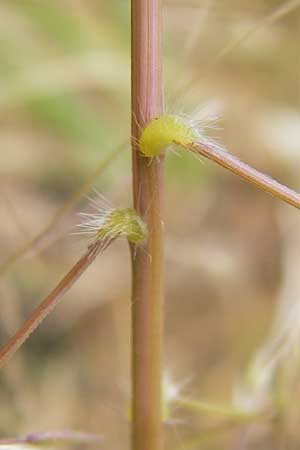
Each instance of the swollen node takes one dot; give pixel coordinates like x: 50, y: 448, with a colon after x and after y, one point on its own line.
x: 164, y: 131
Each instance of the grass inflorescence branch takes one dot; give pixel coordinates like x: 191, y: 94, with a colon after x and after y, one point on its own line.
x: 168, y: 130
x: 105, y: 227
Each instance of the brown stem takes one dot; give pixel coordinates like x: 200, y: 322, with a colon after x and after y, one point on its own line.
x: 223, y: 158
x: 49, y: 303
x: 147, y: 260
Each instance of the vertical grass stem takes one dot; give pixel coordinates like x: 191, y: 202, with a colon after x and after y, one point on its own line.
x: 147, y: 260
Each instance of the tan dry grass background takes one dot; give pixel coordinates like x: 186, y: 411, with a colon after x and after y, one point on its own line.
x: 232, y: 253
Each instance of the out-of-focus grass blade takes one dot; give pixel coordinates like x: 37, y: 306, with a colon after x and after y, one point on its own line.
x: 203, y: 407
x: 56, y: 22
x: 53, y: 439
x: 68, y: 74
x: 65, y: 114
x: 8, y: 59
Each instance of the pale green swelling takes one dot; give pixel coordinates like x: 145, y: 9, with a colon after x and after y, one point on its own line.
x: 164, y: 131
x: 124, y: 222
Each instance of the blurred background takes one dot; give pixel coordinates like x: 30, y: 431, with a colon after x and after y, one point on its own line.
x: 232, y: 252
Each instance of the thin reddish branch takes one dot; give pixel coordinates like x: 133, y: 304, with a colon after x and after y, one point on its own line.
x: 60, y: 213
x: 50, y: 437
x: 220, y: 156
x: 50, y: 302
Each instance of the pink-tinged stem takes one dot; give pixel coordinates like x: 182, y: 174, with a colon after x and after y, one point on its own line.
x: 50, y: 437
x: 147, y: 260
x: 223, y: 158
x: 49, y: 303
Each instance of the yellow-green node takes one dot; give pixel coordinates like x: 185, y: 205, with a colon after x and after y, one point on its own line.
x: 124, y: 222
x: 164, y: 131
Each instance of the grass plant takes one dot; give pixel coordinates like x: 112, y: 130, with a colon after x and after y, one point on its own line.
x: 153, y: 134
